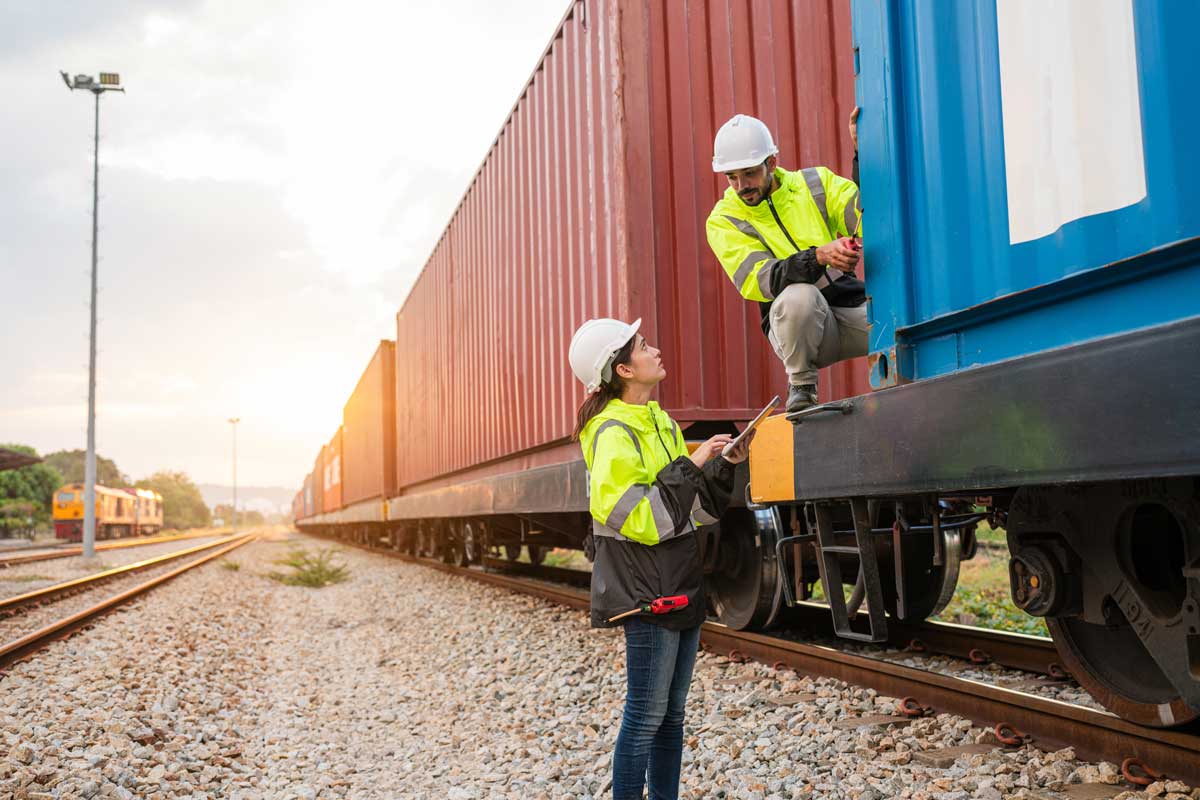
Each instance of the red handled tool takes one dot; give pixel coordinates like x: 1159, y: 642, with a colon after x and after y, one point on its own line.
x: 661, y: 605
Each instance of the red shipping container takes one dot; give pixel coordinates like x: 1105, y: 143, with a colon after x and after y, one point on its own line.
x: 332, y: 484
x: 307, y: 501
x: 369, y: 430
x: 592, y: 202
x: 318, y: 483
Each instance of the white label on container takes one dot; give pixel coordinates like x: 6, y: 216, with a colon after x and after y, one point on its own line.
x: 1072, y: 117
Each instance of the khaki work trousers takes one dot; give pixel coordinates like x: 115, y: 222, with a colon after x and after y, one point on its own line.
x: 807, y: 333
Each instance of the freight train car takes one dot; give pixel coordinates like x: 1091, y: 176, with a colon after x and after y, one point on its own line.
x: 591, y: 202
x: 1034, y: 270
x: 1031, y: 260
x: 119, y: 512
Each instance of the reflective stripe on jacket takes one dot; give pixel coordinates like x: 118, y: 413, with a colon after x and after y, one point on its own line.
x: 809, y: 208
x: 646, y: 499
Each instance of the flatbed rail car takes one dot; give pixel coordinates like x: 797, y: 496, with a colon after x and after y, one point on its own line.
x: 1032, y: 196
x: 119, y: 512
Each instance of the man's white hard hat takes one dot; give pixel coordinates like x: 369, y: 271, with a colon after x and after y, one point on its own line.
x: 593, y: 347
x: 742, y: 142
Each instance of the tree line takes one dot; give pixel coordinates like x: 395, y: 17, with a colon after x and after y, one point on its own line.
x: 27, y: 494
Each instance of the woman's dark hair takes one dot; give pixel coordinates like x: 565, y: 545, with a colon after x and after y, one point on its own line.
x: 597, y: 400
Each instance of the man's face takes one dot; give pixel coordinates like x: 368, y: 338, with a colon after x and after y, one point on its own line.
x: 753, y: 184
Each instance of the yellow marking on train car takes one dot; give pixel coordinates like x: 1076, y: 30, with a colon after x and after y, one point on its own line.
x: 772, y: 466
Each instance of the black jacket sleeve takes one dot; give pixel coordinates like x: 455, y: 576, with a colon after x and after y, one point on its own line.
x: 678, y: 483
x: 718, y: 486
x: 799, y: 267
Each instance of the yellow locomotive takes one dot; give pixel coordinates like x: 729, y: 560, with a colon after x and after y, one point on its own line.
x: 119, y: 512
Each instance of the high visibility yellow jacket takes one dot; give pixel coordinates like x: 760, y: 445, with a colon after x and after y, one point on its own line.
x: 765, y: 248
x: 647, y: 498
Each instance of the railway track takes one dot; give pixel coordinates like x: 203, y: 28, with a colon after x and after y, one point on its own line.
x: 67, y: 552
x: 1016, y: 716
x: 24, y: 645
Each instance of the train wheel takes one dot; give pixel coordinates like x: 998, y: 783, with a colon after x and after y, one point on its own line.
x: 1111, y: 662
x: 453, y: 551
x: 1107, y: 566
x: 406, y: 541
x: 744, y: 587
x: 472, y: 541
x: 425, y: 545
x: 928, y: 588
x: 537, y: 553
x: 512, y: 551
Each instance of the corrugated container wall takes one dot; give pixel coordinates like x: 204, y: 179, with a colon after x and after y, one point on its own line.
x: 318, y: 483
x: 333, y: 472
x: 309, y: 505
x: 592, y: 201
x: 369, y: 430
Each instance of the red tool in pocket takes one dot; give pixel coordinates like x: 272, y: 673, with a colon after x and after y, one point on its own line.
x: 660, y: 605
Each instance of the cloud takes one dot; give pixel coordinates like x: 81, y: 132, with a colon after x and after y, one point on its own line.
x: 271, y: 184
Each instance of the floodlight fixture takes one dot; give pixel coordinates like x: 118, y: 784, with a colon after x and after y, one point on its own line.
x: 109, y: 82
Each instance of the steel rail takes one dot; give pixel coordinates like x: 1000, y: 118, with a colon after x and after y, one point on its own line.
x: 1095, y: 735
x: 19, y: 648
x: 8, y: 604
x: 983, y: 646
x: 75, y: 551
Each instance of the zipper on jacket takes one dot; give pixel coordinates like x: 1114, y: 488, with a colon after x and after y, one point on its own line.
x: 791, y: 241
x: 779, y: 222
x: 658, y: 434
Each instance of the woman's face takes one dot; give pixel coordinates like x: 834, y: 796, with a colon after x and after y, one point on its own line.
x: 645, y: 365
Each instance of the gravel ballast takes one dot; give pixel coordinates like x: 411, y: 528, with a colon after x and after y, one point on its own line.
x: 405, y: 682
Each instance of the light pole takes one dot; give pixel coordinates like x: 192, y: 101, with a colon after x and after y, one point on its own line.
x: 233, y: 421
x: 109, y: 82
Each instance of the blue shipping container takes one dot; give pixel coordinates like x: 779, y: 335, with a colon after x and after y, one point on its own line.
x: 1029, y: 175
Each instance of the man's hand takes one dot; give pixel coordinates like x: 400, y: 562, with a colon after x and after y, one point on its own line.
x: 712, y: 447
x: 854, y: 128
x: 838, y: 255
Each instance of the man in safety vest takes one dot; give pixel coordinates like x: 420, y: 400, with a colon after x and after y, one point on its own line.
x: 788, y: 241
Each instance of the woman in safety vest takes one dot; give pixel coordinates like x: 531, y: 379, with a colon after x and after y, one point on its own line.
x: 647, y: 496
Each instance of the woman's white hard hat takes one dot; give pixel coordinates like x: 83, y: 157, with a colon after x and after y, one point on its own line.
x: 742, y: 142
x: 593, y: 347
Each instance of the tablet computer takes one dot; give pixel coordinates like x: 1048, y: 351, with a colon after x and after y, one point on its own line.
x: 766, y: 412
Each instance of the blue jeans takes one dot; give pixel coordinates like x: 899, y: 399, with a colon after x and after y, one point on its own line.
x: 658, y: 663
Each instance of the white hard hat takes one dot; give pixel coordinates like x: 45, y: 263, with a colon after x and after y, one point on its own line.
x: 593, y: 347
x: 742, y: 142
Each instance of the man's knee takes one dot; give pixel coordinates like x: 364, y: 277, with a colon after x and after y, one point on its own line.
x: 797, y: 301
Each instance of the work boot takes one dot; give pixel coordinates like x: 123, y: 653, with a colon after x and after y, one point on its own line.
x: 801, y: 396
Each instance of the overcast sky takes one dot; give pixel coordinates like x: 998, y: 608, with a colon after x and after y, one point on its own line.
x: 270, y: 187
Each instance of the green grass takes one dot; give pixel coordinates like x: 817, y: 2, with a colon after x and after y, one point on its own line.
x: 24, y: 578
x: 565, y: 558
x: 311, y: 569
x: 983, y: 597
x: 986, y: 533
x: 232, y: 566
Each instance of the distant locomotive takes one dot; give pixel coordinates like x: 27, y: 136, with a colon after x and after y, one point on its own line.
x: 119, y: 512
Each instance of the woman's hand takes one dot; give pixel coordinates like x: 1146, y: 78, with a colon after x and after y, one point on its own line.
x: 737, y: 455
x: 710, y: 448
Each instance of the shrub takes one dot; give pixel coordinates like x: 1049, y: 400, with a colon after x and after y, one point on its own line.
x: 311, y: 569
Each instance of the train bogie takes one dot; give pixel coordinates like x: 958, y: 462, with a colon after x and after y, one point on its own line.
x: 1115, y: 570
